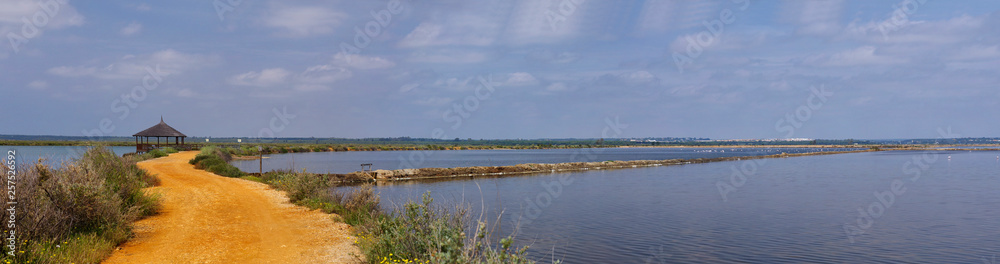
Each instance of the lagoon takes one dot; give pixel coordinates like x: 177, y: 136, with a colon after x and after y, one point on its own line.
x: 54, y: 155
x: 789, y: 210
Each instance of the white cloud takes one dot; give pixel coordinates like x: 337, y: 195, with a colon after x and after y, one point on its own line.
x: 454, y: 84
x: 408, y: 87
x: 557, y: 87
x: 548, y: 56
x: 167, y: 62
x: 533, y: 22
x: 319, y: 77
x: 13, y: 13
x: 131, y: 29
x: 977, y: 52
x: 661, y: 16
x: 476, y: 24
x: 67, y: 71
x: 815, y: 17
x: 520, y: 79
x: 470, y: 30
x: 186, y: 93
x: 362, y: 62
x: 638, y: 77
x: 448, y: 56
x: 315, y: 78
x: 38, y: 85
x: 861, y: 100
x: 266, y: 77
x: 865, y: 55
x: 433, y: 101
x: 63, y: 15
x: 656, y: 16
x: 305, y: 21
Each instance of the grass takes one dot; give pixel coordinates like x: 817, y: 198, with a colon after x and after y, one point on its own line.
x: 420, y: 232
x: 80, y: 211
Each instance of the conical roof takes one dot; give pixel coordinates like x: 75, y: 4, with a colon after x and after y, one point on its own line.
x: 160, y: 130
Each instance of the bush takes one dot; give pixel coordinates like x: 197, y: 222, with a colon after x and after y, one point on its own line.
x: 301, y: 185
x: 152, y: 154
x: 216, y: 160
x: 79, y: 212
x: 226, y: 170
x: 169, y: 150
x: 422, y: 232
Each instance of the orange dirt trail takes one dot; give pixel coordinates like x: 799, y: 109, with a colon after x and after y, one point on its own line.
x: 206, y: 218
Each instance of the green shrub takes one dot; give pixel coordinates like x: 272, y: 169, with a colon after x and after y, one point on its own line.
x: 152, y: 154
x: 169, y: 150
x: 301, y: 185
x: 227, y: 170
x: 216, y: 160
x: 422, y: 232
x: 80, y: 211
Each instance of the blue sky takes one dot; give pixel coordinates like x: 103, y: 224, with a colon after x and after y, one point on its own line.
x: 554, y: 69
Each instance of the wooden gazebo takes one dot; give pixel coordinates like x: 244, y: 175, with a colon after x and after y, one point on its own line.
x: 161, y: 130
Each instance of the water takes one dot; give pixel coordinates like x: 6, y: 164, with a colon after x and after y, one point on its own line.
x: 346, y: 162
x: 789, y: 210
x: 54, y: 155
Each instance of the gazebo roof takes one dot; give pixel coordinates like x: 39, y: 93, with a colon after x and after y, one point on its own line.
x: 160, y: 130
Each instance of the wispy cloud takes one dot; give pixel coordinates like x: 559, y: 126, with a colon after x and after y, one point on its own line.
x: 131, y: 29
x: 304, y: 21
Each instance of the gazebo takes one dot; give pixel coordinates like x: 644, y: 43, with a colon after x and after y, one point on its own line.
x: 143, y: 143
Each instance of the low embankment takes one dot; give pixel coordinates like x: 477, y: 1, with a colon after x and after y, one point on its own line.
x: 432, y: 173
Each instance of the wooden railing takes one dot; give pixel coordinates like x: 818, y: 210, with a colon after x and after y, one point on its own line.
x: 142, y: 148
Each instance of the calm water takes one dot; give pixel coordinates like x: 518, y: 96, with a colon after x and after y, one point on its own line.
x: 346, y: 162
x: 53, y: 155
x: 790, y: 210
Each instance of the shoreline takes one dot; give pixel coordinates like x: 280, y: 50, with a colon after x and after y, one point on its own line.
x: 417, y: 174
x: 384, y: 176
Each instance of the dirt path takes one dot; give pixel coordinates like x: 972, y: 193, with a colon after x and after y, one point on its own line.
x: 208, y: 218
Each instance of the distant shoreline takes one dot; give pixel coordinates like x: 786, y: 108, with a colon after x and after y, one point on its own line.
x: 382, y: 176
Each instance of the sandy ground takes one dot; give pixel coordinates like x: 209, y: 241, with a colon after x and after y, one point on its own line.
x: 206, y: 218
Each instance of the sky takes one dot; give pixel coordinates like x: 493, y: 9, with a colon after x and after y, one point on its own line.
x: 728, y: 69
